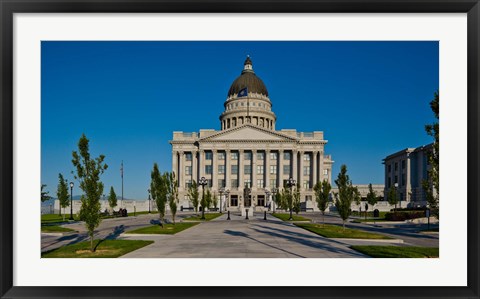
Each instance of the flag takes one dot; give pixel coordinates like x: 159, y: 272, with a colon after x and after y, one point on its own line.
x: 243, y: 92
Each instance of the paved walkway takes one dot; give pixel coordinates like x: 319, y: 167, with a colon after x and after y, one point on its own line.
x: 240, y: 238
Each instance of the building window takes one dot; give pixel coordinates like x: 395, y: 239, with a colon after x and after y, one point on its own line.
x: 403, y: 179
x: 247, y: 169
x: 221, y: 169
x: 273, y: 156
x: 273, y: 169
x: 259, y: 169
x: 188, y: 184
x: 248, y: 155
x: 389, y: 167
x: 221, y: 183
x: 286, y: 156
x: 306, y: 170
x: 306, y: 157
x: 247, y: 183
x: 396, y: 166
x: 325, y: 172
x: 396, y: 179
x: 286, y: 169
x: 208, y: 155
x: 260, y: 183
x: 306, y: 184
x: 208, y: 169
x: 209, y: 183
x: 188, y: 156
x: 389, y: 183
x: 234, y: 169
x: 221, y: 156
x: 234, y: 155
x: 234, y: 183
x: 234, y: 200
x: 260, y: 156
x: 403, y: 164
x: 273, y: 183
x: 188, y: 170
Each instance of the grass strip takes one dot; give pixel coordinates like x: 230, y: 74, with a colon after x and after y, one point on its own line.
x: 55, y: 229
x: 104, y: 249
x: 166, y: 229
x: 398, y: 251
x: 286, y: 216
x: 337, y: 231
x: 208, y: 217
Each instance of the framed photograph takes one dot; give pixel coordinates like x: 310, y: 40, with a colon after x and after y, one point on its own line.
x: 239, y: 149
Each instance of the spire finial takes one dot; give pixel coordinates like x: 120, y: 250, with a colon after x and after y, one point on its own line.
x: 247, y: 65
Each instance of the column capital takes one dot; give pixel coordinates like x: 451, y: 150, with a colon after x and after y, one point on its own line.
x: 180, y: 152
x: 214, y: 150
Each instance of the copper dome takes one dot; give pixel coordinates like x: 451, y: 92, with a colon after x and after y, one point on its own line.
x: 248, y: 79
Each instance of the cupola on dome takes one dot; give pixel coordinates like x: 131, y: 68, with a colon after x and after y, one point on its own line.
x: 249, y: 80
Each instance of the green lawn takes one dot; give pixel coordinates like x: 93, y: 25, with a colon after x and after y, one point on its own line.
x: 141, y: 213
x: 397, y: 251
x: 55, y: 218
x: 167, y: 229
x: 208, y: 217
x: 337, y: 231
x: 368, y: 220
x: 55, y: 229
x: 369, y: 214
x: 286, y: 216
x: 106, y: 249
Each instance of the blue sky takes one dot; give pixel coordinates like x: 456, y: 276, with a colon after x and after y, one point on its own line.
x: 370, y: 98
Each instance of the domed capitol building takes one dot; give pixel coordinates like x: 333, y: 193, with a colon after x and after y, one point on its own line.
x: 248, y: 153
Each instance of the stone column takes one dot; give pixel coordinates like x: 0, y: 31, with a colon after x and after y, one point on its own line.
x: 194, y: 166
x: 254, y: 168
x: 294, y: 164
x: 227, y: 169
x: 174, y: 166
x: 321, y: 167
x: 181, y: 171
x: 408, y: 185
x: 201, y: 165
x: 314, y: 173
x: 214, y: 170
x: 266, y: 171
x: 300, y: 173
x: 280, y: 170
x: 240, y: 168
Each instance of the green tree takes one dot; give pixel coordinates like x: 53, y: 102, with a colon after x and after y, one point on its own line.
x: 193, y: 194
x: 159, y: 190
x: 88, y: 172
x: 393, y: 197
x: 215, y: 201
x: 44, y: 194
x: 172, y: 194
x: 280, y: 199
x: 322, y: 196
x: 346, y: 195
x: 431, y: 186
x: 296, y: 199
x: 208, y: 198
x: 62, y: 194
x: 371, y: 196
x: 112, y: 198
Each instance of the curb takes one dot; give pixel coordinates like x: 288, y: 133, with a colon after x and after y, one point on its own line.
x: 392, y: 241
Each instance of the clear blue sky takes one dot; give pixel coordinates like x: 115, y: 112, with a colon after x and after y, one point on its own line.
x: 370, y: 98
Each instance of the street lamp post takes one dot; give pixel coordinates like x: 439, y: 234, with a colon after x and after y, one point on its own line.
x: 71, y: 200
x: 227, y: 192
x: 267, y: 193
x: 221, y: 191
x: 104, y: 202
x: 274, y: 192
x: 290, y: 183
x: 247, y: 194
x: 149, y: 201
x: 203, y: 182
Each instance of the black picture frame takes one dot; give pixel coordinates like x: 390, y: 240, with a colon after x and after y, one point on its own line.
x: 9, y: 7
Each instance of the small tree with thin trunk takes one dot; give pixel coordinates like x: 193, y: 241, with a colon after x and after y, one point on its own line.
x: 44, y: 194
x: 158, y: 188
x: 322, y: 196
x: 347, y: 194
x: 62, y: 194
x: 296, y: 199
x: 431, y: 186
x: 371, y: 197
x: 172, y: 194
x: 215, y: 201
x: 88, y: 172
x: 194, y: 194
x: 392, y: 197
x: 208, y: 198
x: 112, y: 198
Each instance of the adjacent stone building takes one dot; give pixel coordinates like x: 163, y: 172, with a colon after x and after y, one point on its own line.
x: 247, y: 151
x: 408, y: 168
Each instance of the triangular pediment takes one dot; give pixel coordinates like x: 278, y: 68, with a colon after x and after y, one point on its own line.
x: 249, y: 133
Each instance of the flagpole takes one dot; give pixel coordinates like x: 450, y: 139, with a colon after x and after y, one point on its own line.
x: 121, y: 169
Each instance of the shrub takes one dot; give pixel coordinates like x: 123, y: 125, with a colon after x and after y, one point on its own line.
x: 404, y: 215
